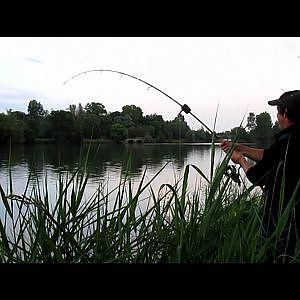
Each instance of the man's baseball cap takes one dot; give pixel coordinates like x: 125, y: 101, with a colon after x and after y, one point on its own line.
x: 290, y: 99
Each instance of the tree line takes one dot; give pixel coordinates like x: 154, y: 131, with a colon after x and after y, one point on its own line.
x: 77, y: 123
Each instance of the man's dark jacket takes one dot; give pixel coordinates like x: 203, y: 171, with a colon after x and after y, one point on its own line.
x: 281, y: 159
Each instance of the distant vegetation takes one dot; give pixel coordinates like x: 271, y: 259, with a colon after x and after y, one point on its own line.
x: 77, y: 123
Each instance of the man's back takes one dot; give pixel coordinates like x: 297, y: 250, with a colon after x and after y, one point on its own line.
x: 279, y: 169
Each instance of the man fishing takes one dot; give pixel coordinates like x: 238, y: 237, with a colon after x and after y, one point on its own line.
x: 277, y: 172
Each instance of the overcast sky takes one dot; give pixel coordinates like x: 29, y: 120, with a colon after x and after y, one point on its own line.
x: 238, y: 74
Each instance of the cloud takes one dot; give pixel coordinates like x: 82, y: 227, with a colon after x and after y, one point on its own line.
x: 14, y: 93
x: 33, y: 60
x: 15, y: 99
x: 18, y: 99
x: 16, y: 59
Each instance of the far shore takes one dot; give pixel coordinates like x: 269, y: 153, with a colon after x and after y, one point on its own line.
x: 39, y: 141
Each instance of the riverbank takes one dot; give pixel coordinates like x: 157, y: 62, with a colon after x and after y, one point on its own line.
x: 109, y: 141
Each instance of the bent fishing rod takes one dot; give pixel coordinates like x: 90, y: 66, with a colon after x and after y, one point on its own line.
x: 184, y: 107
x: 230, y: 172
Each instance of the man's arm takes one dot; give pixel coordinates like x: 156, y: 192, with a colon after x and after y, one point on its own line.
x: 255, y: 154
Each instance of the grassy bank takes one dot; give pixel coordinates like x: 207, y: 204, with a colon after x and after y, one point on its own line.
x: 220, y: 223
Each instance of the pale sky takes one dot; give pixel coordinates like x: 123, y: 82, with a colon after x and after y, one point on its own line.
x: 238, y: 74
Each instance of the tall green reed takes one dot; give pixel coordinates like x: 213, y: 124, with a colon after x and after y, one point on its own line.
x: 220, y: 223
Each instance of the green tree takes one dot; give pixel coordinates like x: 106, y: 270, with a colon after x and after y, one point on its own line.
x: 180, y: 128
x: 94, y: 121
x: 134, y: 112
x: 78, y: 117
x: 156, y: 122
x: 18, y: 114
x: 201, y: 136
x: 240, y: 134
x: 117, y: 132
x: 149, y: 133
x: 62, y: 126
x: 263, y: 130
x: 11, y: 128
x: 29, y: 134
x: 35, y: 109
x: 72, y: 109
x: 35, y: 116
x: 80, y: 110
x: 95, y: 108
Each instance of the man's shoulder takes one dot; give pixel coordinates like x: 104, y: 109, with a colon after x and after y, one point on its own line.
x: 284, y: 137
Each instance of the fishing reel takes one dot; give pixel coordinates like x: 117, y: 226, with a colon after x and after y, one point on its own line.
x: 233, y: 173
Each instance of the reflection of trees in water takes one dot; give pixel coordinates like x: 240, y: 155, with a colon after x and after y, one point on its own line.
x: 101, y: 157
x: 175, y: 153
x: 16, y: 154
x: 154, y: 155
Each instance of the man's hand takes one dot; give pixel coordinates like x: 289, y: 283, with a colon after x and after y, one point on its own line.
x: 226, y: 145
x: 236, y: 157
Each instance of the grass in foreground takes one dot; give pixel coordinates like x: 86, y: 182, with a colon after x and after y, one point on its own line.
x: 218, y: 224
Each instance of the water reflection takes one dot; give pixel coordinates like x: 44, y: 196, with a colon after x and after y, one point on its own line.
x: 101, y: 157
x: 104, y: 161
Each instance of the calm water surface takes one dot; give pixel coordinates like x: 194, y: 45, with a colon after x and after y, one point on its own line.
x: 105, y: 164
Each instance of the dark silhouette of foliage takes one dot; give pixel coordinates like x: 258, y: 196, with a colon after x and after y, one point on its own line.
x: 94, y: 122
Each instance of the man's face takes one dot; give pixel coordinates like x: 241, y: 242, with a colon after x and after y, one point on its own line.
x: 281, y: 117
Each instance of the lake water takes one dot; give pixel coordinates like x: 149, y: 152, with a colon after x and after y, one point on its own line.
x: 104, y: 165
